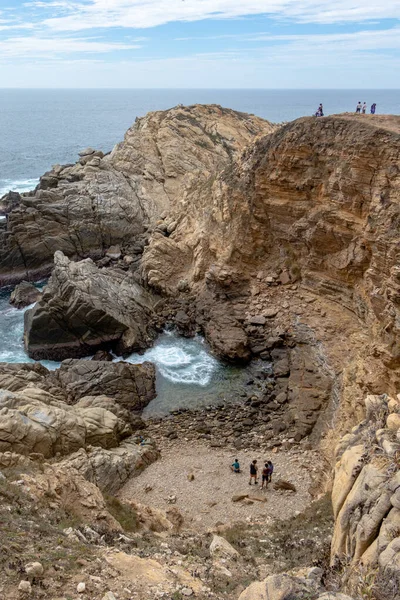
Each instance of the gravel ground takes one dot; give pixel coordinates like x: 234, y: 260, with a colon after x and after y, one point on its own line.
x: 206, y: 501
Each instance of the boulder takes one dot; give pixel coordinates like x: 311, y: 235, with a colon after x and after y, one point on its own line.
x: 132, y: 386
x: 220, y: 547
x: 84, y: 309
x: 24, y: 294
x: 281, y: 587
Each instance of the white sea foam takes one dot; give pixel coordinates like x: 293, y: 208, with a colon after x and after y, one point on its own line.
x: 21, y: 185
x: 180, y: 360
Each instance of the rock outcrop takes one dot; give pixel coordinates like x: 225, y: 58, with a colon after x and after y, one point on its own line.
x: 111, y: 200
x: 24, y: 294
x: 132, y: 386
x: 84, y: 309
x: 366, y: 490
x: 81, y: 405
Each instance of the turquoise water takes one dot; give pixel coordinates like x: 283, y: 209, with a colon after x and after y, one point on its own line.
x: 39, y: 128
x: 188, y: 375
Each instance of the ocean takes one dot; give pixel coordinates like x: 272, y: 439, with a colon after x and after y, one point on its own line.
x: 40, y: 128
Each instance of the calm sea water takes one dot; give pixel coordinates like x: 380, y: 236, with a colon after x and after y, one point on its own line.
x: 39, y: 128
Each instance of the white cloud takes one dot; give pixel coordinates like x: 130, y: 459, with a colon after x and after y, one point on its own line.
x: 49, y: 47
x: 149, y: 13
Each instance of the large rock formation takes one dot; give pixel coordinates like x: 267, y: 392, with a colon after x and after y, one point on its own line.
x: 132, y: 386
x: 102, y: 201
x: 84, y: 309
x: 313, y: 204
x: 366, y: 490
x: 80, y: 405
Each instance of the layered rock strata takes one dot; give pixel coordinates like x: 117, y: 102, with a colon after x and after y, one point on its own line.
x: 366, y: 490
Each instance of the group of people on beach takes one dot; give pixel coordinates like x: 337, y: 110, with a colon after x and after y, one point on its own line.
x: 266, y: 473
x: 360, y: 109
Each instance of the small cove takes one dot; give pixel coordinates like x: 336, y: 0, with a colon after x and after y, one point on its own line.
x: 188, y: 375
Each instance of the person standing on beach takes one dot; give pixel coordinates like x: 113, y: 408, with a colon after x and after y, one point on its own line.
x: 270, y: 470
x: 265, y: 475
x: 358, y: 108
x: 253, y: 472
x: 364, y: 108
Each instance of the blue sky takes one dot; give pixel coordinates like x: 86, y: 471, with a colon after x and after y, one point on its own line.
x: 200, y: 43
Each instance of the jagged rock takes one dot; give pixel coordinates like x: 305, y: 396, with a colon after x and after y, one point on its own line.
x: 365, y: 494
x: 132, y: 386
x: 67, y: 488
x: 24, y: 294
x: 84, y: 309
x: 81, y: 209
x: 103, y: 355
x: 220, y: 547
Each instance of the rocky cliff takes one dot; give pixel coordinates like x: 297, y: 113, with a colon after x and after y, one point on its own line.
x: 278, y: 244
x: 102, y: 201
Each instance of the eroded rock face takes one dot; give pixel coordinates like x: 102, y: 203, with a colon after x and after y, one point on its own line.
x: 84, y: 309
x: 132, y: 386
x: 315, y: 201
x: 103, y: 201
x: 109, y: 469
x: 366, y: 490
x: 81, y: 405
x: 33, y: 421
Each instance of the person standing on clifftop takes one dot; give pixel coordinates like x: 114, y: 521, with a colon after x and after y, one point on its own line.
x: 358, y: 108
x: 253, y: 472
x: 364, y: 108
x: 320, y: 111
x: 373, y: 108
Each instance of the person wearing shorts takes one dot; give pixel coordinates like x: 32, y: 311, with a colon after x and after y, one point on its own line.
x: 265, y: 476
x: 253, y: 472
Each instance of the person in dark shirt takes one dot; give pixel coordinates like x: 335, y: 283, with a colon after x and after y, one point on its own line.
x: 253, y: 472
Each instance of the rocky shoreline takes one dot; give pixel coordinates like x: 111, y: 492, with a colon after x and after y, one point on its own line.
x: 279, y: 245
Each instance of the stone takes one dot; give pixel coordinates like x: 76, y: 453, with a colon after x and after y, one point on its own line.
x: 84, y: 309
x: 132, y: 386
x: 34, y: 569
x: 270, y: 313
x: 257, y: 320
x: 114, y: 252
x: 109, y: 596
x: 186, y: 591
x: 86, y: 152
x: 25, y: 587
x: 24, y: 294
x: 81, y: 587
x: 282, y: 484
x: 281, y: 587
x: 284, y: 278
x: 221, y: 547
x: 239, y: 497
x: 393, y: 422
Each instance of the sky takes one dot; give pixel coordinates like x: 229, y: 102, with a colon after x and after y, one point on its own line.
x: 200, y: 44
